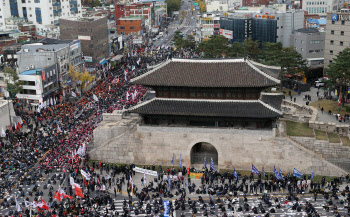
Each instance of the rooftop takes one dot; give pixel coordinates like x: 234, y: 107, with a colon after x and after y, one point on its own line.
x: 30, y: 72
x: 131, y: 18
x: 206, y: 73
x: 207, y: 108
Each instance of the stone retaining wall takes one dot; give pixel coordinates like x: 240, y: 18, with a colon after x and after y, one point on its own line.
x: 302, y: 113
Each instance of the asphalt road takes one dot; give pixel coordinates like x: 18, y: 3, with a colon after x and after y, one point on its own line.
x: 186, y: 27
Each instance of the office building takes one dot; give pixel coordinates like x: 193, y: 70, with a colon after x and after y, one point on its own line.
x: 320, y: 7
x: 49, y: 52
x: 309, y: 42
x: 267, y: 26
x: 131, y: 25
x: 208, y: 25
x: 337, y: 35
x: 40, y: 85
x: 93, y: 34
x: 44, y: 14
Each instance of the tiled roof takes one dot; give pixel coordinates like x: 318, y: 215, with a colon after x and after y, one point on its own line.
x: 207, y: 108
x: 206, y: 73
x: 273, y: 99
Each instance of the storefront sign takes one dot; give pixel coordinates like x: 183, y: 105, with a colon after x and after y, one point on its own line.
x: 227, y: 33
x: 75, y: 45
x: 43, y: 75
x: 166, y: 208
x: 207, y: 18
x: 88, y: 59
x: 83, y: 37
x: 147, y: 172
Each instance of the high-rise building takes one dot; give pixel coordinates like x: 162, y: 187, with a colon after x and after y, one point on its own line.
x: 267, y: 26
x: 93, y: 34
x: 44, y: 14
x: 337, y: 35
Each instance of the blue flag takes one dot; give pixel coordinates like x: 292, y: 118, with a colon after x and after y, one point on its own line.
x: 212, y: 164
x: 169, y: 182
x: 180, y: 161
x: 255, y: 170
x: 312, y: 174
x: 172, y: 160
x: 281, y: 174
x: 275, y: 172
x: 186, y: 180
x: 235, y: 174
x: 297, y: 173
x: 205, y: 161
x: 263, y: 171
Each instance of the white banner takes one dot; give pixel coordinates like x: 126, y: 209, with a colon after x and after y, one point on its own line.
x: 147, y: 172
x: 85, y: 174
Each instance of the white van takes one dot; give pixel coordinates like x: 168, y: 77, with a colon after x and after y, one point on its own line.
x: 161, y: 34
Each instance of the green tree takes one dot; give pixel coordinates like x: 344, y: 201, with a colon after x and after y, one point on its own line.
x: 14, y: 85
x: 190, y: 42
x: 215, y: 47
x: 270, y: 53
x: 339, y: 70
x: 251, y: 48
x: 235, y: 50
x: 179, y: 40
x: 96, y: 3
x: 173, y: 5
x: 291, y: 62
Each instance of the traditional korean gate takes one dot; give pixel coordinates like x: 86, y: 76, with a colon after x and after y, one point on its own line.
x: 201, y: 150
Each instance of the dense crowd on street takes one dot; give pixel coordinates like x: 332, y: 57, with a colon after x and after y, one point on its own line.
x: 49, y: 145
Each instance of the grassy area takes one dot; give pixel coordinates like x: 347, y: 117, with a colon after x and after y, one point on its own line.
x: 331, y: 105
x: 345, y: 140
x: 333, y: 138
x: 299, y: 129
x: 321, y: 135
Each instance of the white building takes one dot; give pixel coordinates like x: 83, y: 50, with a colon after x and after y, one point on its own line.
x: 44, y: 14
x: 320, y: 7
x: 5, y: 12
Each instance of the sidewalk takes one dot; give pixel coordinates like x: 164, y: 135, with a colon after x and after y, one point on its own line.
x: 322, y: 117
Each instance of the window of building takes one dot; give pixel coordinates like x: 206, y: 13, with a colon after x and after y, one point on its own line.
x: 332, y: 32
x: 122, y: 27
x: 296, y: 40
x: 343, y: 22
x: 332, y: 42
x: 37, y: 1
x: 130, y: 21
x: 23, y: 1
x: 315, y: 42
x: 301, y: 49
x: 301, y: 41
x: 331, y: 52
x: 132, y: 27
x: 341, y: 43
x: 342, y: 33
x: 330, y: 61
x: 333, y: 22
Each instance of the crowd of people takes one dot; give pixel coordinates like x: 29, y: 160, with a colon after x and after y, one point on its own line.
x: 49, y: 145
x: 48, y: 136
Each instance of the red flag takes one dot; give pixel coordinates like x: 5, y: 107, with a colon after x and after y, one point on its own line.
x: 339, y: 102
x: 188, y: 170
x: 79, y: 192
x: 99, y: 165
x: 44, y: 206
x: 19, y: 126
x: 66, y: 196
x: 58, y: 195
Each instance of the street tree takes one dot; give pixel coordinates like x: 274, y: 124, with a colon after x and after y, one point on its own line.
x: 270, y: 53
x: 215, y: 47
x: 235, y: 50
x: 173, y: 5
x: 339, y: 71
x: 291, y: 62
x: 190, y: 42
x: 14, y: 85
x: 251, y: 48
